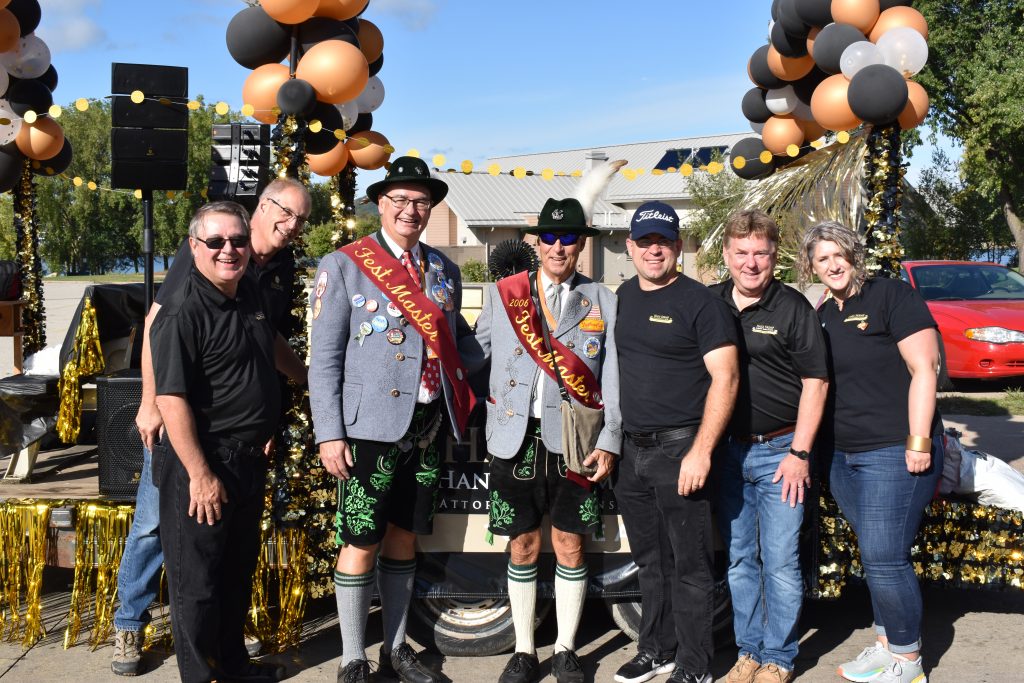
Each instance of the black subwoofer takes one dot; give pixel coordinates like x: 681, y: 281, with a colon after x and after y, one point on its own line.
x: 120, y: 449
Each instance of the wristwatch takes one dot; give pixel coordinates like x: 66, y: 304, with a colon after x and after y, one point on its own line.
x: 803, y: 455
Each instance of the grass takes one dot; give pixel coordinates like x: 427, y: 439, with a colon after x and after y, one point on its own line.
x: 1011, y: 402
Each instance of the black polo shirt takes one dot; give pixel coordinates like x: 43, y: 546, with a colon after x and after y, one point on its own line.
x: 781, y: 343
x: 662, y: 336
x: 219, y: 353
x: 870, y: 381
x: 275, y: 281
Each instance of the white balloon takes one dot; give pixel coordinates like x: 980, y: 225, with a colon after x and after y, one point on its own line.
x: 10, y: 123
x: 904, y: 49
x: 781, y: 100
x: 349, y: 113
x: 756, y: 127
x: 5, y: 80
x: 372, y: 96
x: 859, y: 55
x: 30, y: 59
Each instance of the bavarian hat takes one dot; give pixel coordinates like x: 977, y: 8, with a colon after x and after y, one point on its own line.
x: 562, y: 215
x: 410, y: 170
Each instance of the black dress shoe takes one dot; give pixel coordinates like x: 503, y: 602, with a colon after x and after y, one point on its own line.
x: 258, y: 672
x: 356, y: 671
x: 566, y: 667
x: 401, y: 664
x: 522, y: 668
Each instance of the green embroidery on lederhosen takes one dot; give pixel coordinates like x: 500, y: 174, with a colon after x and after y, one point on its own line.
x: 430, y: 466
x: 502, y: 513
x: 590, y: 511
x: 525, y: 469
x: 382, y: 478
x: 562, y: 468
x: 357, y: 507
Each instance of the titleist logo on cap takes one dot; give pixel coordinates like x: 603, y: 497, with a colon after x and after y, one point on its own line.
x: 653, y: 214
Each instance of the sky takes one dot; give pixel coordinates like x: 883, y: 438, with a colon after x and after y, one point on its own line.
x: 469, y: 79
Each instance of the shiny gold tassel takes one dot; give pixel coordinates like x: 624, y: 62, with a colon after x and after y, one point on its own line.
x: 86, y: 360
x: 23, y: 540
x: 293, y: 588
x: 258, y: 624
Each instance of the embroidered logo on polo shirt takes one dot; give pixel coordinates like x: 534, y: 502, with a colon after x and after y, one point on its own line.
x: 861, y: 319
x: 764, y: 329
x: 665, y: 319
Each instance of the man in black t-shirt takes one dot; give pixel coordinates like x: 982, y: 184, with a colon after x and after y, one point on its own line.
x: 763, y: 471
x: 213, y: 358
x: 678, y: 375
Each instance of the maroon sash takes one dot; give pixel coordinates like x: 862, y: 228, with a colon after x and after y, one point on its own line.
x: 385, y: 271
x: 522, y: 313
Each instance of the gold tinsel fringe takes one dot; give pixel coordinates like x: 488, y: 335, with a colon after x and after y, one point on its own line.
x: 23, y: 531
x: 86, y: 360
x: 275, y: 566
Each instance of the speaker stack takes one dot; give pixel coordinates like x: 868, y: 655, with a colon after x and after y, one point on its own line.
x: 118, y: 397
x: 241, y: 162
x: 149, y: 139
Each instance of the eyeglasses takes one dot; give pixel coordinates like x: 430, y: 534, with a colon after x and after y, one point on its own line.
x: 218, y: 242
x: 299, y: 220
x: 566, y: 238
x: 400, y: 202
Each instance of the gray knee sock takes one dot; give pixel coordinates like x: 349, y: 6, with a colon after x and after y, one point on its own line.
x: 353, y: 594
x: 394, y: 583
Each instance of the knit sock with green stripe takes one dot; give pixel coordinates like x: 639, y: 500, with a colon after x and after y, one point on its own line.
x: 522, y: 595
x: 353, y: 593
x: 395, y: 582
x: 570, y: 590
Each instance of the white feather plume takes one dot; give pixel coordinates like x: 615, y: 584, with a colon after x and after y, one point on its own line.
x: 594, y: 183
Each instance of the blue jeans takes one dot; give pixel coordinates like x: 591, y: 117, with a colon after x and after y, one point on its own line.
x: 138, y: 579
x: 762, y: 533
x: 884, y: 503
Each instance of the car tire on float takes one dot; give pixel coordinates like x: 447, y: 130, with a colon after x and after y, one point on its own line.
x: 467, y: 628
x: 943, y: 383
x: 626, y: 615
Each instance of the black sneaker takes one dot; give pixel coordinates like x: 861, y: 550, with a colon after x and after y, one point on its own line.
x: 257, y: 672
x: 643, y: 667
x: 682, y: 676
x: 566, y: 667
x: 356, y: 671
x: 401, y: 665
x: 522, y: 668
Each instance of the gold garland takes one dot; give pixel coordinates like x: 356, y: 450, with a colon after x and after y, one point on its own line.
x: 86, y: 359
x: 27, y: 244
x: 23, y: 537
x: 883, y: 177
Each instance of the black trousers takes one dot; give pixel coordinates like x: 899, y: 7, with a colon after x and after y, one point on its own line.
x: 670, y: 538
x: 210, y: 568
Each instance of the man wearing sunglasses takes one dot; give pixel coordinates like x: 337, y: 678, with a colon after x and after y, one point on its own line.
x: 529, y: 476
x: 386, y: 381
x: 212, y: 353
x: 280, y: 215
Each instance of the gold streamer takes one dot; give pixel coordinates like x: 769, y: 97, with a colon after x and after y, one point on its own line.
x: 23, y: 540
x: 86, y: 360
x: 27, y: 244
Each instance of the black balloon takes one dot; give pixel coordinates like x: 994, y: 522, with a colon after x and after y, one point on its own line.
x: 886, y: 4
x: 330, y: 117
x: 319, y: 29
x: 791, y: 21
x: 760, y: 73
x: 750, y: 149
x: 804, y: 88
x: 49, y: 78
x: 353, y: 23
x: 254, y: 39
x: 814, y: 12
x: 11, y: 160
x: 787, y: 45
x: 296, y: 97
x: 57, y: 164
x: 29, y: 95
x: 375, y: 67
x: 775, y: 10
x: 830, y: 43
x: 28, y: 13
x: 754, y: 107
x: 364, y: 122
x: 877, y: 94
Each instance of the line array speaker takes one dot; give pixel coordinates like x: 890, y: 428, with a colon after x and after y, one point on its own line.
x: 241, y: 162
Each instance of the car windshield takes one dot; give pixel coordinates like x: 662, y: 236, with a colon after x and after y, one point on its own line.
x: 956, y: 282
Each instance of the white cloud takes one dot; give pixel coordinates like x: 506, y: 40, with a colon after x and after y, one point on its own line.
x: 415, y: 14
x: 66, y: 28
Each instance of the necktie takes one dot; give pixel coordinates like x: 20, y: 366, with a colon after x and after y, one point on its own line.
x: 555, y: 300
x: 430, y: 381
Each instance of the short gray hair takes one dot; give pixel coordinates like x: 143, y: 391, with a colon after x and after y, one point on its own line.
x: 849, y: 244
x: 229, y: 208
x: 279, y: 185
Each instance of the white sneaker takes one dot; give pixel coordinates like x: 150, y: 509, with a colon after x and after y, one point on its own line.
x: 869, y: 664
x: 903, y: 671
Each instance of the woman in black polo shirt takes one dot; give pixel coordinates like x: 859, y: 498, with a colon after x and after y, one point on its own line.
x: 887, y: 457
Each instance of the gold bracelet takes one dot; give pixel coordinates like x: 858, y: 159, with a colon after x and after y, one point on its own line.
x: 921, y: 444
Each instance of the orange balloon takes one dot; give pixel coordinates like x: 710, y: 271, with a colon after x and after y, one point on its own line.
x: 894, y: 17
x: 10, y: 30
x: 916, y: 110
x: 780, y: 132
x: 260, y: 90
x: 4, y: 3
x: 340, y: 9
x: 861, y: 13
x: 815, y: 30
x: 337, y: 70
x: 368, y: 150
x: 789, y: 68
x: 41, y: 140
x: 290, y: 11
x: 371, y: 40
x: 330, y: 162
x: 812, y: 131
x: 830, y: 106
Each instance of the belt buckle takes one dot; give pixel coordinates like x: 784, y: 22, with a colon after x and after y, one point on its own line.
x: 644, y: 439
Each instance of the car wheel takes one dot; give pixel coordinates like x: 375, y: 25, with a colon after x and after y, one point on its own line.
x: 467, y: 628
x: 943, y: 383
x: 626, y: 615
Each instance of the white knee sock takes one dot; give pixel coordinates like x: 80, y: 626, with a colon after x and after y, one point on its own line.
x: 570, y: 589
x: 522, y: 594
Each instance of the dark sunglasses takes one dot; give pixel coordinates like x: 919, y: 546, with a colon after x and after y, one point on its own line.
x: 566, y: 238
x: 215, y: 243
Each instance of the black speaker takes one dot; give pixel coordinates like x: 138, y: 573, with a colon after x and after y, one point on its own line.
x: 120, y: 449
x: 241, y: 162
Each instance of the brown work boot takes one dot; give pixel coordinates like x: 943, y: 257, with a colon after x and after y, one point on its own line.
x: 743, y: 670
x: 771, y: 673
x: 127, y: 653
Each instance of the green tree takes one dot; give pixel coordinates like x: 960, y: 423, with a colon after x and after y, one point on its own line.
x: 474, y: 270
x: 714, y: 197
x: 7, y: 250
x: 975, y: 78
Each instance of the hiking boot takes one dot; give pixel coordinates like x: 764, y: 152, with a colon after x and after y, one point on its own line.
x: 127, y: 653
x: 868, y: 665
x: 643, y: 667
x: 743, y: 670
x: 521, y: 668
x: 566, y: 667
x: 903, y: 671
x: 356, y: 671
x: 773, y: 673
x: 401, y: 665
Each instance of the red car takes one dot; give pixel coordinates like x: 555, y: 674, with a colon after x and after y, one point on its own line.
x: 980, y: 311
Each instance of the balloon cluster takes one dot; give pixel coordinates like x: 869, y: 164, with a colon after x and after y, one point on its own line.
x: 27, y: 81
x: 831, y: 65
x: 332, y: 82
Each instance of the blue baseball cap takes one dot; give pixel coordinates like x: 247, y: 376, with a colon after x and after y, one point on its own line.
x: 654, y: 218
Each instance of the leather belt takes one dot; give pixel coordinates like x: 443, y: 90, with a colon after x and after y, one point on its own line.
x: 646, y: 439
x: 764, y: 438
x: 235, y: 446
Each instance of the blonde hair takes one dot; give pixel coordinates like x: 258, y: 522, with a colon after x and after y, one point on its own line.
x: 749, y: 222
x: 849, y: 244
